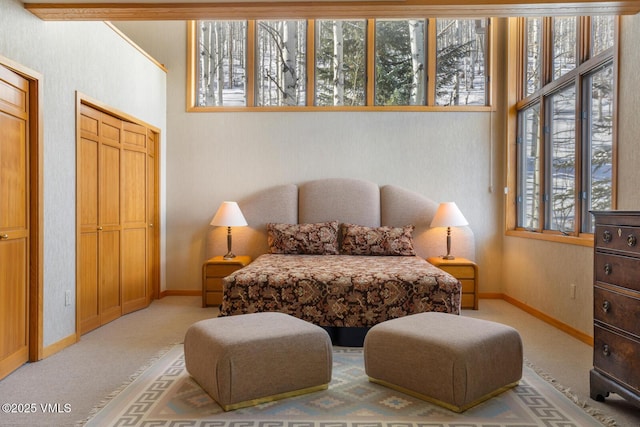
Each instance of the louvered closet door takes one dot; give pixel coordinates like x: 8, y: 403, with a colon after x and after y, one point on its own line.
x: 135, y: 290
x: 14, y: 221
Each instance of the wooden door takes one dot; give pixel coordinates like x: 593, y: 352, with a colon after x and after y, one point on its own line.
x: 14, y: 221
x: 109, y: 214
x: 135, y: 291
x: 99, y: 213
x: 152, y: 219
x: 117, y: 204
x: 88, y: 256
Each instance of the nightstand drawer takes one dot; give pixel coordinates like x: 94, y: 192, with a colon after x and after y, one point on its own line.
x: 213, y: 284
x: 221, y: 270
x: 468, y: 285
x: 460, y: 271
x: 468, y: 301
x: 213, y: 298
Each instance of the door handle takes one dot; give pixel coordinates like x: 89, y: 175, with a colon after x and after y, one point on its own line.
x: 99, y: 228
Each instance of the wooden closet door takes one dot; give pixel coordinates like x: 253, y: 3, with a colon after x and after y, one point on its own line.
x: 116, y: 202
x: 135, y: 291
x: 153, y: 259
x: 14, y: 221
x: 88, y: 269
x: 109, y: 214
x: 99, y: 194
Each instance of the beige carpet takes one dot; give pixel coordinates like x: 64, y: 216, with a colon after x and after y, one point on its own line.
x: 85, y: 373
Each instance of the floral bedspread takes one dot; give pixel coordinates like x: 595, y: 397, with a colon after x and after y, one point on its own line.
x: 340, y: 290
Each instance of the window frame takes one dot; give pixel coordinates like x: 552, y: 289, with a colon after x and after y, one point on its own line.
x: 370, y: 105
x: 519, y: 102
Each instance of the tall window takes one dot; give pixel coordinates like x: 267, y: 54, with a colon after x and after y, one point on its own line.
x: 350, y: 63
x: 565, y: 126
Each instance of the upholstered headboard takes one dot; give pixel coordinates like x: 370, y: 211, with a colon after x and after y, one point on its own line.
x: 346, y: 201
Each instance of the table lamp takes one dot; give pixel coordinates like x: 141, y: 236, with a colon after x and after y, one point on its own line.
x: 229, y: 215
x: 448, y: 215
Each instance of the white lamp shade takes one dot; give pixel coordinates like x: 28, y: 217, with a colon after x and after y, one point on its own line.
x: 448, y: 215
x: 229, y: 215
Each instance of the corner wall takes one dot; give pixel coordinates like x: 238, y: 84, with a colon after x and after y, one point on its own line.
x: 91, y: 58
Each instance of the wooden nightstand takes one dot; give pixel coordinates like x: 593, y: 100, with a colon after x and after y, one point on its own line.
x: 213, y: 271
x: 467, y: 272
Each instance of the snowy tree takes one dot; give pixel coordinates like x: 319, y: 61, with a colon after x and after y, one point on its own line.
x: 416, y: 36
x: 281, y: 56
x: 399, y: 56
x: 220, y: 65
x: 460, y: 62
x: 340, y: 62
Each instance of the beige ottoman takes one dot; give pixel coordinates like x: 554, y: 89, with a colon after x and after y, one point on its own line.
x: 249, y: 359
x: 454, y: 361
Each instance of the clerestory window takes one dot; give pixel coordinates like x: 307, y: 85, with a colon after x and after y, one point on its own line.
x: 361, y: 63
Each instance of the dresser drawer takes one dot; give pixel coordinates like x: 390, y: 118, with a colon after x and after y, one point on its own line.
x: 618, y: 310
x: 618, y: 238
x: 617, y: 270
x: 617, y: 356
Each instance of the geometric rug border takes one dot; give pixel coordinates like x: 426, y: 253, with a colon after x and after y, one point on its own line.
x: 283, y: 421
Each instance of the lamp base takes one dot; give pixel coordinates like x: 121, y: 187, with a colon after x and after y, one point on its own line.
x: 229, y: 254
x: 447, y: 257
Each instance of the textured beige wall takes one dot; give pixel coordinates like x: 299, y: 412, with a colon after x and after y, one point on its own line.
x: 74, y: 56
x: 213, y: 157
x: 540, y: 273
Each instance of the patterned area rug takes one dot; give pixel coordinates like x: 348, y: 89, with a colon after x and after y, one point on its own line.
x: 165, y: 395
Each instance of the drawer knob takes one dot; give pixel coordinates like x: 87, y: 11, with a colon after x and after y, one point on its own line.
x: 605, y: 350
x: 608, y: 269
x: 606, y: 306
x: 631, y: 240
x: 4, y: 237
x: 606, y: 236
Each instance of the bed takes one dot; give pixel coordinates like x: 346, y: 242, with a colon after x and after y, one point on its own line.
x: 340, y: 290
x: 344, y: 254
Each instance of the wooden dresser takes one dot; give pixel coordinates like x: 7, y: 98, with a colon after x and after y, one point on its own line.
x: 616, y: 298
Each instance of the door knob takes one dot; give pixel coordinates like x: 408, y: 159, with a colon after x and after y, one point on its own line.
x: 4, y: 237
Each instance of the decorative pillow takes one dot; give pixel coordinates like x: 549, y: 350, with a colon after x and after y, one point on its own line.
x: 310, y: 239
x: 361, y: 240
